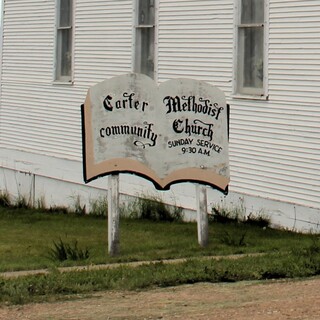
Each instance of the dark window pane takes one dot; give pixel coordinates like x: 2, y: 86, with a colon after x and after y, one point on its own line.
x: 146, y: 12
x: 64, y: 47
x: 252, y: 43
x: 147, y: 51
x: 252, y: 11
x: 65, y: 13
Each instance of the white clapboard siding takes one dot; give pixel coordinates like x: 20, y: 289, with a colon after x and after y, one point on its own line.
x: 36, y: 115
x: 275, y: 144
x: 196, y: 41
x: 295, y: 50
x: 39, y: 120
x: 103, y: 40
x: 28, y: 41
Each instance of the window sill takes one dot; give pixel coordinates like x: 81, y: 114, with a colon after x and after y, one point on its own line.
x: 249, y: 97
x: 62, y: 83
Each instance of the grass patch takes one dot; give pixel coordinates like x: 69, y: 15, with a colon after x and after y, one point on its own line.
x: 26, y: 238
x: 61, y: 285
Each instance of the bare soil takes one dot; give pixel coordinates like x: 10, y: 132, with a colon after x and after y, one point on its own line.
x: 298, y: 299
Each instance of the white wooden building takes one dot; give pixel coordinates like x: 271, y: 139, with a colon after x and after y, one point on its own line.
x: 263, y: 54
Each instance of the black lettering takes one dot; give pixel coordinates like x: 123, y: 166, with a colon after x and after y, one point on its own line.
x: 144, y: 104
x: 125, y: 129
x: 130, y: 98
x: 177, y: 126
x: 108, y: 131
x: 107, y: 104
x: 126, y: 103
x: 118, y: 104
x: 115, y: 130
x: 173, y: 104
x: 218, y: 112
x: 145, y: 132
x: 189, y: 104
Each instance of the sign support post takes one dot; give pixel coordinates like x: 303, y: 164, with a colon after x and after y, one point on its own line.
x: 113, y: 215
x: 202, y: 215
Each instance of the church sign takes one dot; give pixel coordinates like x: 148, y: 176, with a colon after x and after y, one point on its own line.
x: 168, y: 134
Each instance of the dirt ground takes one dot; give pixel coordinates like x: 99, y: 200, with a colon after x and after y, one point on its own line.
x: 241, y: 301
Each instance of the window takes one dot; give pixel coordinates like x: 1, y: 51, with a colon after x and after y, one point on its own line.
x: 250, y: 47
x: 145, y: 37
x: 64, y: 41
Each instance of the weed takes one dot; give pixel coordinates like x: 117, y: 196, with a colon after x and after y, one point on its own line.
x: 5, y: 200
x: 259, y: 220
x: 79, y: 209
x: 155, y: 209
x: 222, y: 214
x: 99, y: 207
x: 58, y: 210
x: 41, y: 204
x: 234, y: 240
x: 21, y: 203
x: 62, y: 251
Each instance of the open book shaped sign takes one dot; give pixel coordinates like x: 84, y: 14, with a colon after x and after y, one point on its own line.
x: 173, y: 133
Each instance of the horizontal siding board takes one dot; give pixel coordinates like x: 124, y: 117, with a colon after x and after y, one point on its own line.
x: 103, y: 40
x: 266, y: 165
x: 196, y: 41
x: 250, y: 187
x: 268, y: 159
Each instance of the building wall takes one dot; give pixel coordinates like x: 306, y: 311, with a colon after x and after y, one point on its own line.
x: 274, y: 143
x: 36, y: 115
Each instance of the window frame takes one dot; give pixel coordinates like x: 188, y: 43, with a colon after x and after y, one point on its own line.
x: 136, y: 26
x: 249, y: 93
x: 57, y: 78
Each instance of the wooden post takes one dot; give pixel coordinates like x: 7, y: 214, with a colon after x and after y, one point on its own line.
x: 113, y: 215
x: 202, y: 215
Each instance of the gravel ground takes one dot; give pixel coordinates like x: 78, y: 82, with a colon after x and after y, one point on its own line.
x: 298, y: 299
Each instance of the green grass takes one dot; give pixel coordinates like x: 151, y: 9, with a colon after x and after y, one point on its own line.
x: 27, y: 237
x: 56, y: 286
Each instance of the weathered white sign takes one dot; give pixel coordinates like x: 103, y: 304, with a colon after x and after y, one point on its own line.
x: 168, y: 134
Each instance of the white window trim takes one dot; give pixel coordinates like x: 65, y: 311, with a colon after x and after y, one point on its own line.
x: 156, y: 34
x: 256, y: 95
x: 68, y: 81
